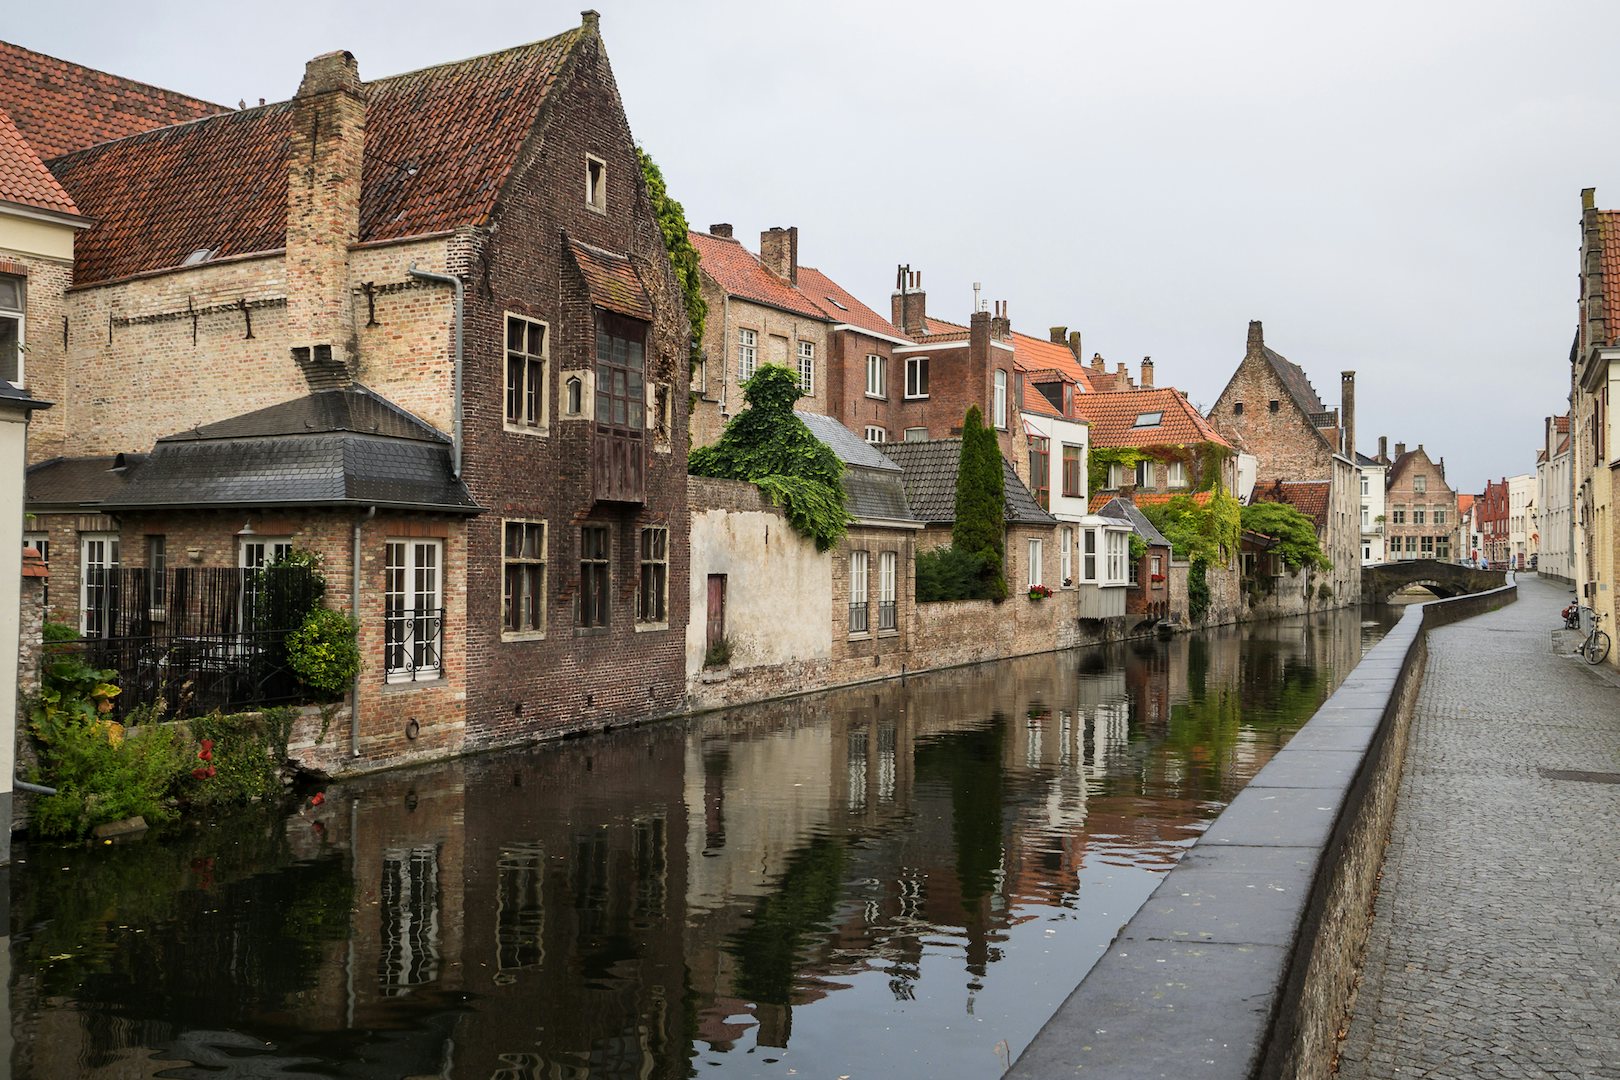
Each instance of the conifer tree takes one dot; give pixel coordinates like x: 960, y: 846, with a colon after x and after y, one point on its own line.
x: 981, y: 502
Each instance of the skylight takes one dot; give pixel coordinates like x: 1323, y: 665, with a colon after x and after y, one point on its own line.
x: 1148, y: 419
x: 201, y: 255
x: 833, y: 300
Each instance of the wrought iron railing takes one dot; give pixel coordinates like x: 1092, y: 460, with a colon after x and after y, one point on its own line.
x: 887, y: 614
x: 413, y: 644
x: 859, y: 617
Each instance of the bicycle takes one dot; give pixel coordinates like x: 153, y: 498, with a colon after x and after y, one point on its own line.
x: 1595, y: 649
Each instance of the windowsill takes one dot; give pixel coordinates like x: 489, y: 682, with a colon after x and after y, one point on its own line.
x: 916, y: 397
x: 398, y: 684
x: 877, y: 397
x: 540, y: 430
x: 862, y: 635
x: 593, y: 208
x: 889, y: 633
x: 523, y: 635
x: 651, y: 627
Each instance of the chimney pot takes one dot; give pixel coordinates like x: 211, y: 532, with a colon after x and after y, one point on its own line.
x: 328, y: 72
x: 721, y: 229
x: 908, y: 307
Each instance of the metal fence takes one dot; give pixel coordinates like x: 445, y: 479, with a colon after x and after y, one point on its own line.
x: 197, y: 638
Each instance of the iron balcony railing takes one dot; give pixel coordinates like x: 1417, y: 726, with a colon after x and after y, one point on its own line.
x: 887, y: 614
x: 413, y: 644
x: 859, y: 617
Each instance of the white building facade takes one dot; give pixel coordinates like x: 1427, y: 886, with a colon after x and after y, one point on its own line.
x: 1554, y: 501
x: 1521, y: 519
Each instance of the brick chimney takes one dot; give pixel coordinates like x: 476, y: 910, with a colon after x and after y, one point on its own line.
x: 325, y: 142
x: 1383, y: 449
x: 1000, y: 324
x: 1147, y: 372
x: 1400, y: 450
x: 1347, y: 406
x: 1074, y: 344
x: 909, y: 304
x: 1124, y: 376
x: 1098, y: 365
x: 722, y: 230
x: 1060, y: 335
x: 779, y: 251
x: 1257, y: 338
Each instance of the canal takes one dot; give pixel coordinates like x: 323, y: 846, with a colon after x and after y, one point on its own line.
x: 898, y: 880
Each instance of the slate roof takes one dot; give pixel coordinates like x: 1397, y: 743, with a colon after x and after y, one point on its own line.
x: 828, y: 295
x: 740, y: 273
x: 24, y: 179
x: 77, y: 483
x: 1120, y: 506
x: 61, y: 106
x: 16, y: 397
x: 874, y: 489
x: 1309, y: 497
x: 440, y: 143
x: 930, y: 481
x: 357, y: 410
x: 612, y: 281
x: 1113, y: 418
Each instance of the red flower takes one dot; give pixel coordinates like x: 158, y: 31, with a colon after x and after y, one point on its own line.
x: 207, y: 751
x: 202, y: 773
x: 317, y: 798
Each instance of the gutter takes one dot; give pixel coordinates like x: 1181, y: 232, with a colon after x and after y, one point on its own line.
x: 461, y: 297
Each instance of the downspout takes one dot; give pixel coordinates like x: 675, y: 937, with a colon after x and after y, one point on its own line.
x: 354, y: 604
x: 461, y: 296
x: 725, y: 347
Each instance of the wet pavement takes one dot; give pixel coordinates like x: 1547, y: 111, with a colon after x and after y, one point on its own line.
x: 1495, y: 949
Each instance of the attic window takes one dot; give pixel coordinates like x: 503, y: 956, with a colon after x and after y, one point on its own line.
x: 201, y: 255
x: 1273, y: 405
x: 833, y: 300
x: 1237, y: 408
x: 596, y: 183
x: 1149, y: 419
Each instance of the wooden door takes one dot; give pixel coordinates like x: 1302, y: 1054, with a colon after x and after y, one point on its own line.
x: 717, y: 610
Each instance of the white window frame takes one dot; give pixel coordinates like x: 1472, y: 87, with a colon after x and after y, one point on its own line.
x: 19, y: 315
x: 1066, y: 556
x: 916, y: 434
x: 40, y: 542
x: 524, y: 422
x: 859, y: 593
x: 747, y: 353
x: 1117, y: 546
x: 999, y: 402
x: 1176, y: 475
x: 1366, y: 486
x: 523, y: 559
x: 888, y: 581
x: 1144, y: 473
x: 1089, y: 556
x: 596, y: 186
x: 916, y: 365
x: 876, y: 434
x: 107, y: 560
x: 419, y: 566
x: 1116, y: 476
x: 807, y: 368
x: 877, y: 376
x: 1420, y: 485
x: 1037, y: 562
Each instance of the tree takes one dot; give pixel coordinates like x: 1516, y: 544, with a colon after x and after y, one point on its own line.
x: 980, y: 528
x: 682, y: 255
x: 1294, y: 532
x: 767, y: 445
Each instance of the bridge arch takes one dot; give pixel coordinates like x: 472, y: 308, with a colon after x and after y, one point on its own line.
x: 1380, y: 583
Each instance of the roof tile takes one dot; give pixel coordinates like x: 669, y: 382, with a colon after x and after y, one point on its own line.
x: 840, y: 306
x: 1113, y: 419
x: 24, y: 179
x: 612, y: 280
x: 740, y: 273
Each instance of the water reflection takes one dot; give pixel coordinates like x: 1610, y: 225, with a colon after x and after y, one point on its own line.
x: 897, y: 877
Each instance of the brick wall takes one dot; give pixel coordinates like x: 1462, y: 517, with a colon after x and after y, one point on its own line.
x: 44, y: 370
x: 777, y: 336
x: 1288, y: 445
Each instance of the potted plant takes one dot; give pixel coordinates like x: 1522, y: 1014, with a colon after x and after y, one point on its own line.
x: 1039, y: 592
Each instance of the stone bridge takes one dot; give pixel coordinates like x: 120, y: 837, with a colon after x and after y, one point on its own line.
x: 1444, y: 579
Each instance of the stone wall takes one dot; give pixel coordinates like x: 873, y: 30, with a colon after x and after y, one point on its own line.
x: 1243, y: 961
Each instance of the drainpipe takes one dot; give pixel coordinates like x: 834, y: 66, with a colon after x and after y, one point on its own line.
x: 37, y: 789
x: 461, y: 296
x: 354, y: 604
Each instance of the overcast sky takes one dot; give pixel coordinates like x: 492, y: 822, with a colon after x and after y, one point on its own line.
x: 1393, y: 188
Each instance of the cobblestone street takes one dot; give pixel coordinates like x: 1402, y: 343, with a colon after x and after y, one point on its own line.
x: 1495, y: 950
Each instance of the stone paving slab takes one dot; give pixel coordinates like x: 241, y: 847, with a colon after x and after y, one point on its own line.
x: 1495, y: 946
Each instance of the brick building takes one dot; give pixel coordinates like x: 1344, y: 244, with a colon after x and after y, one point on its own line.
x: 1492, y: 508
x: 1553, y: 500
x: 425, y: 326
x: 1594, y: 434
x: 1270, y: 409
x: 1420, y: 508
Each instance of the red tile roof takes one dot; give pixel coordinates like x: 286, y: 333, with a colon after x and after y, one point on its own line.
x: 1609, y: 242
x: 1561, y: 423
x: 60, y: 106
x: 1153, y: 498
x: 440, y: 143
x: 24, y: 179
x: 1309, y: 497
x: 740, y: 273
x: 1036, y: 353
x: 838, y: 305
x: 1113, y: 419
x: 1035, y: 402
x: 1465, y: 503
x: 613, y: 282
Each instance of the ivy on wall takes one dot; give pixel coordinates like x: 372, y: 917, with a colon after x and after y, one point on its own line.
x: 1204, y: 462
x: 682, y: 255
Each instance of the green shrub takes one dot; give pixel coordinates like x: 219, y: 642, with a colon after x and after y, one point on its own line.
x: 237, y: 758
x: 1294, y: 532
x: 1197, y: 589
x: 719, y: 654
x: 950, y: 573
x: 55, y: 633
x: 324, y: 652
x: 980, y: 526
x: 102, y: 776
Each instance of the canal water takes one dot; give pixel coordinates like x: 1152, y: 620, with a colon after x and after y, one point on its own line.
x: 898, y: 880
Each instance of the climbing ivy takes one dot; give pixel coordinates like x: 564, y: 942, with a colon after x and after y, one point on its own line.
x: 767, y: 445
x: 1295, y: 533
x: 1203, y: 460
x: 1206, y: 532
x: 682, y: 255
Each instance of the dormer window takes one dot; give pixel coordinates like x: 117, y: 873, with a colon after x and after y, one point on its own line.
x: 596, y: 184
x: 1149, y: 419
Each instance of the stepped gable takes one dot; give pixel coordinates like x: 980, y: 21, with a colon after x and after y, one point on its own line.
x: 61, y: 106
x: 439, y: 144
